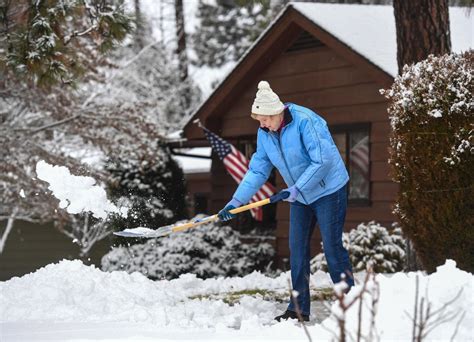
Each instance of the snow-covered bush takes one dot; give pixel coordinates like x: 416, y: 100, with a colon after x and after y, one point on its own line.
x: 153, y: 190
x: 432, y: 157
x: 370, y: 244
x: 207, y: 251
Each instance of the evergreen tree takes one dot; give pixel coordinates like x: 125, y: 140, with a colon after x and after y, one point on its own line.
x: 45, y: 47
x: 153, y: 190
x: 228, y: 28
x: 49, y: 42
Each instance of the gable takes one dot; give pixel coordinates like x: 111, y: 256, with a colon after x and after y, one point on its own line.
x: 316, y: 77
x: 299, y: 28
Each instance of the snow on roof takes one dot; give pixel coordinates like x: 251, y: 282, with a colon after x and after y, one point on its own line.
x: 370, y: 29
x: 367, y: 29
x: 195, y: 165
x: 176, y: 135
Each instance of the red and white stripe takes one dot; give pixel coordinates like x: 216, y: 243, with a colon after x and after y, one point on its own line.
x: 359, y: 159
x: 237, y: 165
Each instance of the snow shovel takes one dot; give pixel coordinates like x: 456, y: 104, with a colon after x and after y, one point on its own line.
x: 143, y: 232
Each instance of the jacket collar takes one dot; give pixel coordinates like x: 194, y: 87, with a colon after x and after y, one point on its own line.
x: 287, y: 117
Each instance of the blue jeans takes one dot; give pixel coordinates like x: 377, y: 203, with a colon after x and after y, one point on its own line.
x: 330, y: 213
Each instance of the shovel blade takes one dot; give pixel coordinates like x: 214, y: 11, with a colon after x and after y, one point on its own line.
x: 144, y: 232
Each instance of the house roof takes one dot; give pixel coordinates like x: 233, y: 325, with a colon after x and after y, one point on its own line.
x: 359, y: 26
x: 366, y: 33
x: 195, y: 165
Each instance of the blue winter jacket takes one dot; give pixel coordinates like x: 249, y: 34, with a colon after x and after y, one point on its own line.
x: 303, y: 152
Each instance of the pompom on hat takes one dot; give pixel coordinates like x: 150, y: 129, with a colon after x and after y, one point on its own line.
x: 266, y: 101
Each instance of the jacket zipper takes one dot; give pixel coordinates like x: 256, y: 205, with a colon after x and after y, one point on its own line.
x: 278, y: 137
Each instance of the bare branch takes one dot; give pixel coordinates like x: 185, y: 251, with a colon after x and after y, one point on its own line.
x: 8, y: 229
x: 55, y: 124
x: 457, y: 325
x: 425, y: 320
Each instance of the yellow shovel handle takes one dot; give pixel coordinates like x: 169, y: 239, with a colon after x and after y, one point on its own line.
x: 250, y: 206
x: 214, y: 217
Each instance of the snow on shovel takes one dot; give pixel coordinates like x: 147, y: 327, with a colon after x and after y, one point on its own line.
x: 143, y: 232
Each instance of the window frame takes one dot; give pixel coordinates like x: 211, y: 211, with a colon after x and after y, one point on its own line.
x: 337, y: 129
x: 347, y: 129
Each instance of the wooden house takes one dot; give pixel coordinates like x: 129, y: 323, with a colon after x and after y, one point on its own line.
x: 333, y: 59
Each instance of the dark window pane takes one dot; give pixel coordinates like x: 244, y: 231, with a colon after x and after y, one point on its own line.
x: 359, y: 165
x: 200, y: 204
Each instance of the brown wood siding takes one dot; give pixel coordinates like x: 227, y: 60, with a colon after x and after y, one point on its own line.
x: 222, y: 184
x: 198, y: 182
x: 343, y: 94
x: 333, y: 81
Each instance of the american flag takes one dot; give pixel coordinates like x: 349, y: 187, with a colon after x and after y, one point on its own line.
x: 359, y: 161
x: 237, y: 165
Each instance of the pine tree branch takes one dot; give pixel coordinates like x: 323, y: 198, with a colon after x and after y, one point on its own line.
x: 68, y: 38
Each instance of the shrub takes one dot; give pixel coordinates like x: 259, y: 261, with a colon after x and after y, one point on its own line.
x: 370, y: 244
x: 153, y: 189
x: 207, y: 251
x: 432, y: 157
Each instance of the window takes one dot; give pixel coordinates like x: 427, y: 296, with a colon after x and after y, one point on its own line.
x: 353, y: 144
x: 200, y: 203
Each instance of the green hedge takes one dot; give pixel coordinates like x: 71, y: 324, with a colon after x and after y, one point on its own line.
x: 432, y: 157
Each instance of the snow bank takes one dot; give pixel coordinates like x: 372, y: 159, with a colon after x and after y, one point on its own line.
x: 72, y: 293
x: 396, y: 304
x: 76, y: 193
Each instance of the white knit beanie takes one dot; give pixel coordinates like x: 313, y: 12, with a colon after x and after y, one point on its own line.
x: 266, y: 101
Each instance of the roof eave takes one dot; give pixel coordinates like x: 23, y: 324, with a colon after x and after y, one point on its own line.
x: 209, y: 105
x: 283, y: 31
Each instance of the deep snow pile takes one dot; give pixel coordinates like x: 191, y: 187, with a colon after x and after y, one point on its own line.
x: 71, y: 292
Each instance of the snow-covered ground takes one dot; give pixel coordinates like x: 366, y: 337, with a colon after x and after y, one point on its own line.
x: 69, y: 301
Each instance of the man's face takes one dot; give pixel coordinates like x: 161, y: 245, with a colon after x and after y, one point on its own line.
x: 272, y: 122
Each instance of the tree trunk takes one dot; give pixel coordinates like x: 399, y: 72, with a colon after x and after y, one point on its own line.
x: 422, y: 29
x: 181, y: 35
x: 139, y: 31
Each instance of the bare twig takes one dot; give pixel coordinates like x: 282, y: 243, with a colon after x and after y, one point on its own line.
x: 373, y: 336
x: 416, y: 308
x: 8, y: 229
x: 457, y: 326
x: 425, y: 320
x: 55, y: 124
